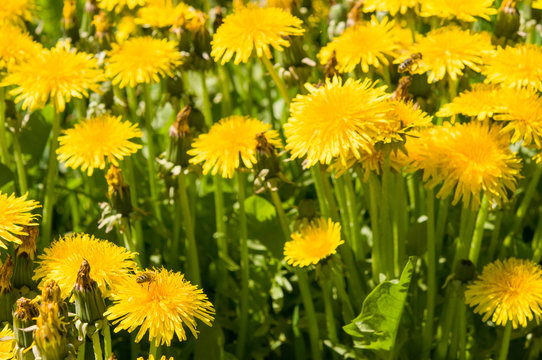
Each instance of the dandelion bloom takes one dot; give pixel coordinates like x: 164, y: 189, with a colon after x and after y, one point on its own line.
x: 230, y: 144
x: 57, y: 75
x: 391, y: 6
x: 119, y: 5
x: 313, y: 243
x: 509, y: 290
x: 142, y: 60
x: 366, y: 43
x: 449, y: 50
x: 164, y: 305
x: 7, y: 346
x: 335, y: 120
x: 110, y: 264
x: 15, y: 214
x: 465, y: 10
x: 516, y: 67
x: 93, y: 141
x: 15, y: 11
x: 481, y: 102
x: 255, y: 28
x: 402, y: 118
x: 470, y: 158
x: 162, y: 13
x: 537, y: 4
x: 126, y: 27
x: 16, y: 46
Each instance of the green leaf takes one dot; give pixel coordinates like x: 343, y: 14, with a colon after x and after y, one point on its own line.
x: 376, y: 326
x: 260, y: 208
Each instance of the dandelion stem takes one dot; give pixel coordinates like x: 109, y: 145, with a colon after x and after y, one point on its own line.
x: 358, y: 246
x: 306, y: 297
x: 208, y: 116
x: 151, y: 152
x: 377, y: 263
x: 193, y: 258
x: 81, y: 350
x: 226, y: 103
x: 106, y: 332
x: 330, y: 317
x: 318, y: 184
x: 503, y: 354
x: 431, y: 275
x: 222, y: 243
x: 52, y: 170
x: 97, y: 346
x: 276, y: 78
x: 476, y: 244
x: 281, y: 215
x: 3, y: 133
x: 19, y: 161
x: 243, y: 331
x: 153, y: 350
x: 250, y: 87
x: 137, y: 235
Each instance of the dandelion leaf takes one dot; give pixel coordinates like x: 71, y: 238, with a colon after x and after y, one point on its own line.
x: 376, y: 326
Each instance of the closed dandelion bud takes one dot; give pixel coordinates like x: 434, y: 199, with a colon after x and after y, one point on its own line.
x: 52, y: 294
x: 266, y: 156
x: 89, y: 302
x: 118, y: 191
x: 6, y: 295
x: 180, y: 138
x: 50, y: 336
x: 507, y: 20
x: 24, y: 258
x: 465, y: 271
x: 24, y: 317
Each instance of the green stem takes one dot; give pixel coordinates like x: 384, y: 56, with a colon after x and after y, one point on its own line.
x: 447, y: 320
x: 226, y: 103
x: 476, y: 244
x: 4, y: 154
x: 462, y: 333
x: 465, y: 234
x: 505, y: 344
x: 153, y: 350
x: 52, y: 170
x: 374, y: 191
x: 106, y: 332
x: 345, y: 215
x: 431, y: 275
x: 193, y: 258
x: 19, y: 161
x: 276, y: 78
x: 136, y: 237
x: 81, y: 350
x: 220, y: 219
x: 495, y: 236
x: 207, y: 115
x: 97, y: 346
x: 444, y: 204
x: 328, y: 194
x: 358, y: 246
x: 385, y: 220
x: 243, y: 331
x: 306, y: 297
x: 151, y: 152
x: 319, y: 186
x: 330, y: 317
x: 250, y: 87
x: 282, y: 216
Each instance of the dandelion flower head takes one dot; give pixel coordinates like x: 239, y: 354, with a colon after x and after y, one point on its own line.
x: 230, y: 144
x: 94, y: 141
x: 464, y: 10
x: 142, y: 60
x: 481, y: 102
x: 7, y: 347
x: 448, y: 50
x: 508, y: 291
x: 163, y: 13
x: 335, y: 120
x: 151, y: 357
x: 119, y: 5
x: 61, y: 261
x: 391, y: 6
x: 16, y: 46
x: 515, y: 67
x: 15, y: 11
x: 253, y: 28
x: 162, y: 306
x: 366, y: 43
x: 54, y: 75
x: 126, y: 27
x: 313, y: 243
x: 15, y: 214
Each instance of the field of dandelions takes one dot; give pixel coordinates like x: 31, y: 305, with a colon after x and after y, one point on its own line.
x: 274, y: 179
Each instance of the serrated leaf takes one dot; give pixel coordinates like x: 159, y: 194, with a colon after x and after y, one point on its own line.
x: 376, y: 326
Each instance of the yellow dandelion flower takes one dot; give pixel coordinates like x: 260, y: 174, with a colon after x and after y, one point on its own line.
x: 126, y: 27
x: 54, y: 75
x: 253, y: 28
x: 163, y: 13
x: 109, y: 264
x: 515, y: 67
x: 470, y: 158
x: 508, y: 291
x: 230, y: 144
x: 537, y: 4
x: 283, y: 4
x: 465, y: 10
x: 335, y: 120
x: 313, y: 243
x: 449, y: 50
x: 119, y: 5
x: 481, y: 102
x: 14, y: 216
x: 15, y: 11
x: 7, y: 344
x: 163, y: 306
x: 403, y: 117
x: 366, y: 43
x: 151, y: 357
x: 90, y: 143
x: 16, y: 46
x: 142, y: 60
x: 391, y: 6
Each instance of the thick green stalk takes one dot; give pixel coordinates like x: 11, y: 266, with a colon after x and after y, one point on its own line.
x: 495, y: 237
x: 98, y: 355
x: 226, y: 102
x: 81, y: 350
x: 243, y: 323
x: 505, y: 344
x: 4, y: 154
x: 431, y: 276
x: 137, y: 235
x: 284, y: 224
x: 151, y: 152
x: 358, y: 246
x: 385, y: 224
x: 476, y: 244
x: 374, y: 194
x: 250, y: 87
x: 52, y: 170
x: 306, y: 297
x: 220, y: 218
x: 106, y: 332
x: 207, y: 115
x: 193, y: 258
x: 400, y: 221
x: 330, y: 317
x: 276, y: 78
x: 318, y: 184
x: 442, y: 218
x: 328, y: 195
x: 19, y: 162
x: 446, y: 322
x: 345, y: 215
x: 468, y: 217
x: 153, y: 350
